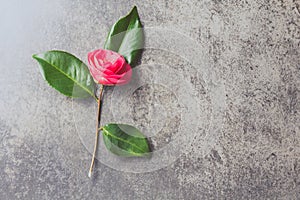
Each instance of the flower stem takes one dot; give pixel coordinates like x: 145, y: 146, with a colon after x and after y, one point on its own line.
x: 97, y: 131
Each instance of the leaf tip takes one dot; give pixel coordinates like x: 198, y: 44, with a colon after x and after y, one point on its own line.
x: 34, y: 56
x: 133, y: 10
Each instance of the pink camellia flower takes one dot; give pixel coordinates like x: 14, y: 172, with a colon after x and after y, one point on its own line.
x: 108, y: 67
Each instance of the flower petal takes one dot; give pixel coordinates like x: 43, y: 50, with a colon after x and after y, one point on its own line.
x: 108, y: 67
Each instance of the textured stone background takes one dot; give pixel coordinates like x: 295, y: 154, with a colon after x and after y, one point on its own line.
x: 254, y: 48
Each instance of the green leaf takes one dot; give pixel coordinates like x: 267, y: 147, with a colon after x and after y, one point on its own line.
x: 125, y: 140
x: 66, y: 73
x: 126, y: 37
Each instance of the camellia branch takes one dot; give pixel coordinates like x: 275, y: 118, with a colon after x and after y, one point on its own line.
x: 110, y: 66
x: 97, y: 130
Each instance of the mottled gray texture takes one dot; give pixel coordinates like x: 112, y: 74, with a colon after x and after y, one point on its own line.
x: 254, y: 49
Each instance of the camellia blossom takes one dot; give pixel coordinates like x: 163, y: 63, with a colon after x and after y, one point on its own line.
x: 109, y: 68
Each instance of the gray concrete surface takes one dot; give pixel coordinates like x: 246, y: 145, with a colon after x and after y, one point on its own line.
x: 252, y: 47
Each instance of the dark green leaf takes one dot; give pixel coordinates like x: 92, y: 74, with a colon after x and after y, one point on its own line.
x: 125, y: 140
x: 66, y: 73
x: 126, y: 37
